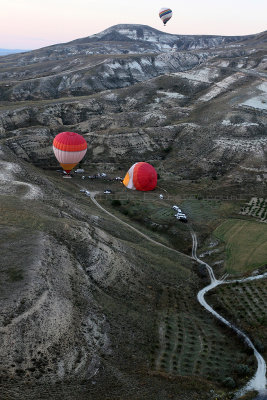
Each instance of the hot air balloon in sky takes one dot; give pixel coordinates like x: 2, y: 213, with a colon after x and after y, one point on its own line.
x: 69, y: 149
x: 141, y: 176
x: 165, y: 14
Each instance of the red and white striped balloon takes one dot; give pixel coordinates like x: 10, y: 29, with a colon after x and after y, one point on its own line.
x: 69, y: 149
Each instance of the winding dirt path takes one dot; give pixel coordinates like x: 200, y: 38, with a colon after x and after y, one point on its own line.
x: 134, y: 229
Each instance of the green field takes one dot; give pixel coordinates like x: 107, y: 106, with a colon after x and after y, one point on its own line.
x: 246, y: 244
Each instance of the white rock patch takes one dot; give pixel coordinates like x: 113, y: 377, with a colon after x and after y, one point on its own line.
x: 258, y: 102
x: 245, y: 145
x: 9, y: 184
x: 227, y: 122
x: 206, y: 75
x: 221, y: 87
x: 172, y: 95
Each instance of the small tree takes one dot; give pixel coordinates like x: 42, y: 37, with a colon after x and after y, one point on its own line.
x: 229, y: 382
x: 116, y: 203
x: 242, y: 369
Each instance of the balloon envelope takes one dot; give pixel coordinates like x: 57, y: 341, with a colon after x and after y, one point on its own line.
x: 69, y: 149
x: 165, y: 15
x: 141, y: 176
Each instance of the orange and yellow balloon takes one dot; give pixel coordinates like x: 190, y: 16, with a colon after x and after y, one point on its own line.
x: 69, y: 149
x: 141, y: 176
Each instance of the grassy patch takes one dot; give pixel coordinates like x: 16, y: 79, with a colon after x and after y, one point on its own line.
x: 153, y: 217
x: 246, y: 244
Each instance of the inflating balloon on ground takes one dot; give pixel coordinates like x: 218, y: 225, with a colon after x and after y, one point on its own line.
x: 69, y: 149
x: 141, y: 176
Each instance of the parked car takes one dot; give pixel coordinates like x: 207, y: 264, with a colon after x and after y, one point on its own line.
x: 180, y: 213
x: 87, y: 193
x: 182, y: 217
x: 108, y: 191
x: 176, y: 208
x: 83, y: 190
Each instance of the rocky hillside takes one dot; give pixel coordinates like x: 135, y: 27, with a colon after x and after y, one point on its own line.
x: 198, y: 114
x: 85, y: 301
x: 90, y: 310
x: 158, y: 40
x: 101, y: 61
x: 128, y: 39
x: 84, y: 76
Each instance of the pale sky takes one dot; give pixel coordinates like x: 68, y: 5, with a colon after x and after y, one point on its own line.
x: 31, y: 24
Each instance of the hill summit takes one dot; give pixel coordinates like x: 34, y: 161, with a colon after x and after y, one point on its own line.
x: 157, y: 39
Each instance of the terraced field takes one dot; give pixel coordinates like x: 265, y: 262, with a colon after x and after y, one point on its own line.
x: 193, y: 344
x: 245, y: 244
x: 256, y: 207
x: 245, y: 304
